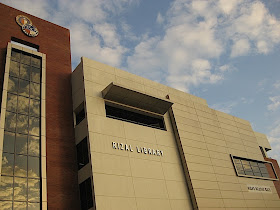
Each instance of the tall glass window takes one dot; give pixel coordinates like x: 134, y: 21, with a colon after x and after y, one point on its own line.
x: 20, y: 183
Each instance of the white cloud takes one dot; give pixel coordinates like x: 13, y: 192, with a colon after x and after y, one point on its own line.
x: 275, y: 103
x: 224, y: 68
x: 227, y: 6
x: 240, y: 47
x: 160, y: 19
x: 202, y: 31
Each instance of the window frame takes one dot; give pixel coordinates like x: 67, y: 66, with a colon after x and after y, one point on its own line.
x: 83, y: 145
x: 136, y: 111
x: 258, y: 161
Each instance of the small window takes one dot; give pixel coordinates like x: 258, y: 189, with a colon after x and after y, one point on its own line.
x: 80, y: 114
x: 82, y: 153
x: 25, y: 44
x: 86, y: 194
x: 134, y: 116
x: 253, y: 168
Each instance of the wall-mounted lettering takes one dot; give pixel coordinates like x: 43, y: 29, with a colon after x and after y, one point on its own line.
x: 144, y: 150
x: 255, y: 188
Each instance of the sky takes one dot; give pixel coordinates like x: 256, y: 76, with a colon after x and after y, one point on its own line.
x: 225, y: 51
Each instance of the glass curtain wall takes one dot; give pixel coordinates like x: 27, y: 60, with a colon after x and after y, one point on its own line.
x: 20, y: 183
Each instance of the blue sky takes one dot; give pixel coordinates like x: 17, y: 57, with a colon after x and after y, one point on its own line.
x: 226, y: 51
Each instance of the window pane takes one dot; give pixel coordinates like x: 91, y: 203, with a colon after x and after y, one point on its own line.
x: 34, y: 190
x: 33, y: 167
x: 36, y: 62
x: 256, y: 169
x: 82, y: 153
x: 20, y: 189
x: 86, y: 194
x: 250, y: 173
x: 6, y: 205
x: 14, y: 68
x: 257, y: 174
x: 34, y: 90
x: 265, y: 175
x: 26, y: 59
x: 80, y: 116
x: 261, y: 165
x: 23, y: 103
x: 13, y: 85
x: 7, y: 164
x: 24, y: 71
x: 11, y: 102
x: 20, y: 205
x: 34, y: 107
x: 237, y: 161
x: 23, y: 88
x: 21, y: 165
x: 33, y: 206
x: 6, y: 189
x: 9, y: 142
x: 34, y: 127
x: 36, y: 75
x: 22, y: 124
x: 34, y: 146
x: 241, y: 172
x: 15, y: 55
x: 253, y: 163
x: 10, y: 121
x: 239, y: 167
x: 245, y: 162
x: 21, y: 144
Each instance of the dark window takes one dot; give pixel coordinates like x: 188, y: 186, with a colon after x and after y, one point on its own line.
x: 134, y: 117
x: 80, y: 116
x: 252, y: 168
x: 86, y: 194
x: 82, y: 153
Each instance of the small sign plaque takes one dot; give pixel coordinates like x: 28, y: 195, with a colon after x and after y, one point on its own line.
x: 259, y: 189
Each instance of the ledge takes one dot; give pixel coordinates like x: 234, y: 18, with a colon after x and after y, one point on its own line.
x: 120, y: 94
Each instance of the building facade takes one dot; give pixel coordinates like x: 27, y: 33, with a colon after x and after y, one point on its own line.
x: 143, y: 145
x: 102, y: 138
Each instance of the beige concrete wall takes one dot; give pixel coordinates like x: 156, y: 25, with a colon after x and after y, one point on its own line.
x: 208, y: 138
x: 123, y: 179
x: 129, y: 180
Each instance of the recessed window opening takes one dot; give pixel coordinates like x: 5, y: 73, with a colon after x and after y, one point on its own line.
x: 80, y: 113
x: 254, y: 168
x: 24, y: 44
x: 86, y: 194
x: 134, y: 116
x: 82, y: 153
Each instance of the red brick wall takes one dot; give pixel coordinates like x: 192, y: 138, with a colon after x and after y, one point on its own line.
x: 54, y: 41
x: 277, y: 170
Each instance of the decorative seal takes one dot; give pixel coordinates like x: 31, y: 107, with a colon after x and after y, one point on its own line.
x: 26, y: 26
x: 22, y: 20
x: 30, y: 30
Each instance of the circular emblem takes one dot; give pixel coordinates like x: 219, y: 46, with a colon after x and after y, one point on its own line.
x: 22, y: 20
x: 26, y: 26
x: 30, y: 30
